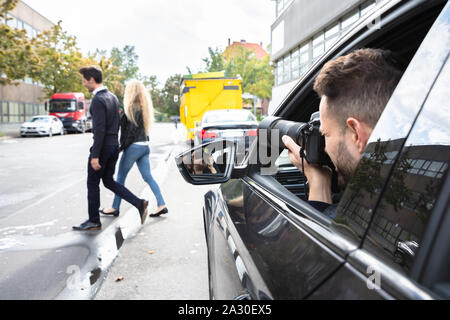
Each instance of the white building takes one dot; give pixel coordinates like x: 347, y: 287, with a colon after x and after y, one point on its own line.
x: 302, y: 31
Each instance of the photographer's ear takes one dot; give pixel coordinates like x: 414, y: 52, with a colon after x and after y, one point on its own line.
x: 360, y: 133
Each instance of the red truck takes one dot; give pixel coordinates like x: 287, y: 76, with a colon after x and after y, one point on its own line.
x: 73, y: 110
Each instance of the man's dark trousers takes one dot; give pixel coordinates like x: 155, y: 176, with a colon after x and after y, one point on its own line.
x: 108, y: 159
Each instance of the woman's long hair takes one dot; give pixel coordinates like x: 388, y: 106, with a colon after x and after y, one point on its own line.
x: 138, y: 98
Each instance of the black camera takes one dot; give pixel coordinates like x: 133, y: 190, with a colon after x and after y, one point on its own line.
x: 306, y: 135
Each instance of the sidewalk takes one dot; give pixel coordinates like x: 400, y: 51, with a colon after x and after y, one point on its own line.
x: 9, y: 130
x: 167, y: 259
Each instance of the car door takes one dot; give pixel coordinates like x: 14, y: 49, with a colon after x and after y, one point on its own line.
x: 288, y: 250
x: 265, y: 244
x: 405, y: 205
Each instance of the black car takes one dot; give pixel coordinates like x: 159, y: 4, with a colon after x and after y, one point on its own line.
x: 266, y: 242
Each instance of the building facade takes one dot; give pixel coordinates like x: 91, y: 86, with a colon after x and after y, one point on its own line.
x: 19, y: 102
x: 301, y: 33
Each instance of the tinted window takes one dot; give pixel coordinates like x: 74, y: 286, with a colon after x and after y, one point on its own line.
x: 401, y: 218
x: 361, y: 196
x: 63, y: 106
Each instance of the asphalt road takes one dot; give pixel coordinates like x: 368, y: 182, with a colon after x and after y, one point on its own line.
x: 42, y: 195
x: 167, y: 259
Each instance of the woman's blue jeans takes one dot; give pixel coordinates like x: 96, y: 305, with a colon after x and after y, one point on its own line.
x: 141, y: 155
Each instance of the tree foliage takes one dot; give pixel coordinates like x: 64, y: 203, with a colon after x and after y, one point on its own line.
x: 125, y: 61
x: 171, y: 89
x: 256, y: 74
x: 152, y: 84
x: 59, y: 61
x: 215, y: 61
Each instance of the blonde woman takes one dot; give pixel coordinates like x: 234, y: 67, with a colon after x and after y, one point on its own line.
x: 134, y: 141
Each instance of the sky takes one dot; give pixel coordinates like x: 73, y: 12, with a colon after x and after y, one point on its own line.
x: 168, y: 35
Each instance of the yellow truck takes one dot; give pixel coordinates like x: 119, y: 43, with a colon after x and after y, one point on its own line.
x: 204, y: 92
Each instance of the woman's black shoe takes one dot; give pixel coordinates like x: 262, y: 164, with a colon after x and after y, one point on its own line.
x: 157, y: 214
x: 114, y: 213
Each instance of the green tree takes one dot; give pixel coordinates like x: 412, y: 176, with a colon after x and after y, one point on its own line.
x: 60, y: 60
x: 256, y: 74
x: 17, y: 57
x: 171, y: 89
x: 263, y: 81
x: 126, y: 62
x: 120, y: 67
x: 215, y: 61
x: 152, y: 84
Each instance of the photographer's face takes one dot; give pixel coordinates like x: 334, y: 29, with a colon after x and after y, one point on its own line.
x: 338, y: 145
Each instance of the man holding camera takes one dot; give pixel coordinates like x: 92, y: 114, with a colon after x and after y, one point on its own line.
x: 354, y: 90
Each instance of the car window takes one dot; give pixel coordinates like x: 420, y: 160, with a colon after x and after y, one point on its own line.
x: 401, y: 218
x: 40, y: 120
x: 228, y: 117
x: 361, y: 196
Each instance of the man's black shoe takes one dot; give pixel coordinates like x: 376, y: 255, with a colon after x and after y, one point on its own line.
x: 143, y: 211
x: 114, y: 213
x: 88, y: 225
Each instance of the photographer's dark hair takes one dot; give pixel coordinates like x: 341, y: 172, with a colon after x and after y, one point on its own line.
x: 92, y: 72
x: 359, y: 84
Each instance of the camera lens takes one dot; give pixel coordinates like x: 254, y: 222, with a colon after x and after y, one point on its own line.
x: 275, y: 128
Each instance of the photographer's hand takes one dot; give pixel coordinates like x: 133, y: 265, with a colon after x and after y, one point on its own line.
x: 319, y: 178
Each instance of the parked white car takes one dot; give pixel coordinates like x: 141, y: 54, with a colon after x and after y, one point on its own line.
x: 42, y: 126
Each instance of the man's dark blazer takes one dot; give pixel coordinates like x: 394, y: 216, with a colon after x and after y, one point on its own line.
x: 105, y: 121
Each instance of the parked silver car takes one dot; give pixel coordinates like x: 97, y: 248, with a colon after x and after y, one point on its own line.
x: 42, y: 126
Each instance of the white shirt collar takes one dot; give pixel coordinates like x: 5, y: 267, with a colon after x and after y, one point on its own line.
x: 99, y: 89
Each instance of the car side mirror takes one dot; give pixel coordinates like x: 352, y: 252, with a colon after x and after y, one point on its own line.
x: 211, y: 163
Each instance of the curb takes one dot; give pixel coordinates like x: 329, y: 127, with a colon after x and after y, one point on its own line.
x: 107, y: 250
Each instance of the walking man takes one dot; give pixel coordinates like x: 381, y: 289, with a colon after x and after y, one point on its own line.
x: 105, y: 149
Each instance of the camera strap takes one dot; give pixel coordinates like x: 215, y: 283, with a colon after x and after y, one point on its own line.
x: 303, y: 156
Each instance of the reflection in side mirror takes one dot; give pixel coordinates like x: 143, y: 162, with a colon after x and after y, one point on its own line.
x: 211, y: 163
